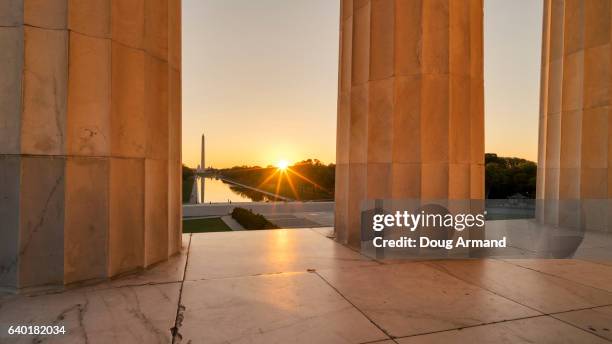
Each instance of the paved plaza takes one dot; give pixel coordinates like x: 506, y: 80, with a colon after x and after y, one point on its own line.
x: 299, y: 286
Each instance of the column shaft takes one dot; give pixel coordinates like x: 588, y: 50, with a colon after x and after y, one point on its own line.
x: 573, y: 159
x: 410, y: 105
x: 89, y: 138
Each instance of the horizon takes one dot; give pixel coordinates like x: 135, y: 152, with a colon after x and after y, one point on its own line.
x: 295, y: 163
x: 254, y: 86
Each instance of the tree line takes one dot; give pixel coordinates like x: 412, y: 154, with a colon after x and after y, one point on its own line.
x: 306, y: 180
x: 505, y: 177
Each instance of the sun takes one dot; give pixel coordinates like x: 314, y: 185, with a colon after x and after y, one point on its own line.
x: 282, y: 165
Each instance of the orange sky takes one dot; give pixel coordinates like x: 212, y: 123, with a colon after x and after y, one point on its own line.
x: 260, y: 79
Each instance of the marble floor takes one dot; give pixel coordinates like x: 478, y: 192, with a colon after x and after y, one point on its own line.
x: 299, y: 286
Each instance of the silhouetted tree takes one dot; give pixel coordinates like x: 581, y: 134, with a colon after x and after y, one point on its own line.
x: 505, y: 177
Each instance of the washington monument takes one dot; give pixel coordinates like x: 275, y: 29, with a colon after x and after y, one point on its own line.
x: 203, y: 160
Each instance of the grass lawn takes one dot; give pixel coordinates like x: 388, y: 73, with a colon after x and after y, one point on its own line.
x: 214, y: 224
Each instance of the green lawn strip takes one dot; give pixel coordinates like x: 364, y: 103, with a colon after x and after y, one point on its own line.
x: 214, y: 224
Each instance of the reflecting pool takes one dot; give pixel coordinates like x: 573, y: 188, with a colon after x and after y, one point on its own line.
x: 218, y: 191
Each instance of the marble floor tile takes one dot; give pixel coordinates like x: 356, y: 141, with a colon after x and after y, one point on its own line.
x: 598, y: 256
x: 546, y: 293
x: 413, y: 298
x: 281, y: 308
x: 595, y: 246
x: 247, y: 253
x: 171, y: 270
x: 596, y: 320
x: 327, y: 232
x: 252, y: 287
x: 583, y: 272
x: 143, y: 314
x: 593, y: 239
x: 541, y: 330
x: 291, y: 221
x: 523, y: 235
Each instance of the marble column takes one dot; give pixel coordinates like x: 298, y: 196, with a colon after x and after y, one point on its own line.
x: 574, y: 133
x: 410, y: 105
x: 89, y: 138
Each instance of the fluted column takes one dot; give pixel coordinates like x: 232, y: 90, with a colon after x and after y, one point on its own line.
x: 573, y: 162
x: 410, y: 105
x: 89, y: 138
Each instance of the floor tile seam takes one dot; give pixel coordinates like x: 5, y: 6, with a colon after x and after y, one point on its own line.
x: 542, y: 313
x: 442, y: 269
x: 580, y: 309
x: 475, y: 325
x: 445, y: 271
x: 389, y: 336
x: 558, y: 276
x: 548, y: 314
x: 174, y: 331
x: 136, y: 285
x: 378, y: 341
x: 265, y: 274
x: 286, y: 272
x: 595, y: 262
x: 350, y: 248
x: 89, y: 289
x: 578, y: 327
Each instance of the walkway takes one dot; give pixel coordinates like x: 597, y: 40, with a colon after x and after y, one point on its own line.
x: 298, y: 286
x: 220, y: 209
x: 231, y: 223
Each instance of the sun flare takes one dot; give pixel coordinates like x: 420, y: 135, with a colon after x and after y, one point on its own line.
x: 282, y: 165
